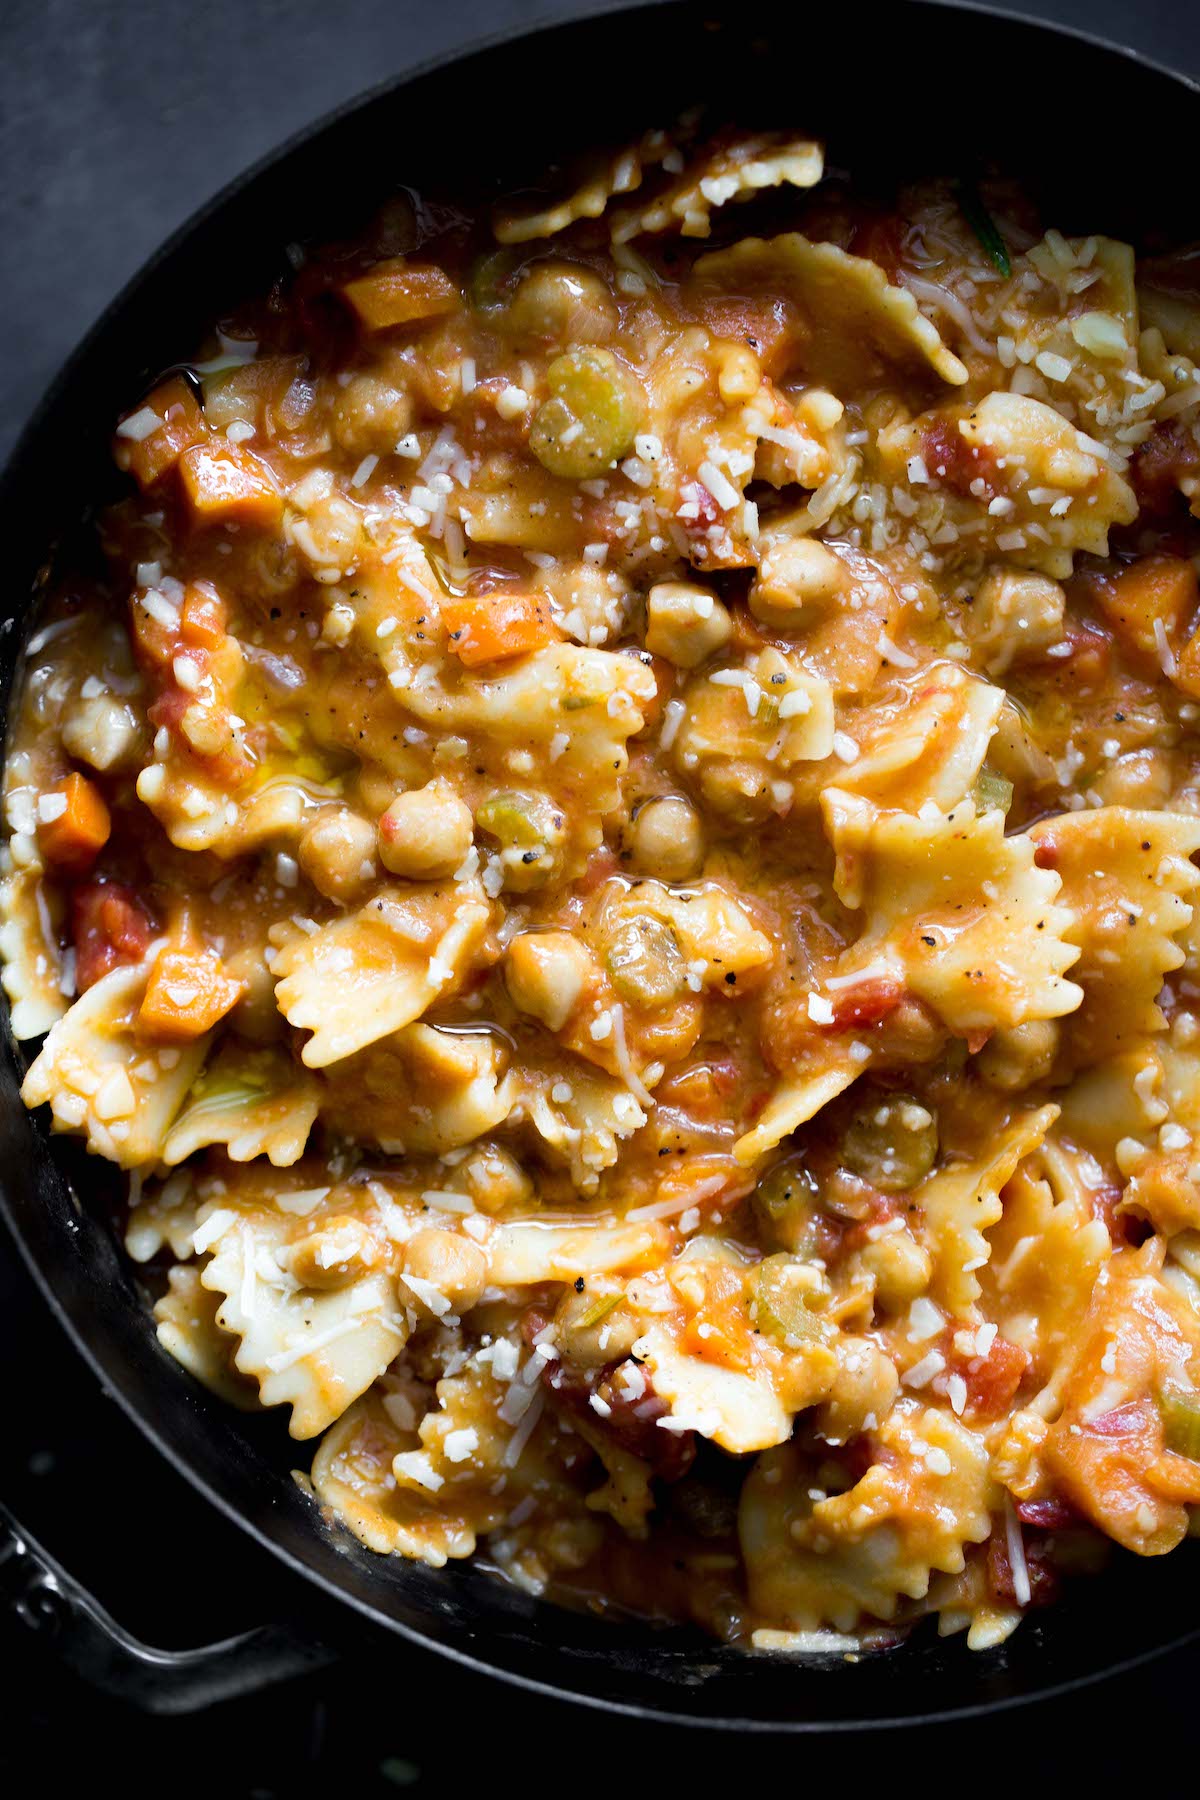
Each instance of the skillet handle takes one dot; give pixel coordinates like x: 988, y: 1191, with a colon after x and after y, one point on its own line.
x: 91, y: 1642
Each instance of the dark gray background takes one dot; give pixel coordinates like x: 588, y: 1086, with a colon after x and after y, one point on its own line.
x: 119, y: 117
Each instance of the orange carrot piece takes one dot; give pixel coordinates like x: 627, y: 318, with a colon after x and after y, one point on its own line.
x: 74, y: 837
x: 202, y: 620
x: 225, y: 483
x: 149, y: 458
x: 401, y: 293
x: 485, y: 627
x: 1157, y: 592
x: 187, y: 993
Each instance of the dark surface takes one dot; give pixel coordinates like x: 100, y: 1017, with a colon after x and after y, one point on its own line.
x: 121, y: 119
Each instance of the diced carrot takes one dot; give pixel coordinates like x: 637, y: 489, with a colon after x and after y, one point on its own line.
x: 401, y: 293
x: 110, y: 927
x: 1149, y: 602
x: 485, y: 627
x: 187, y: 993
x: 202, y: 620
x: 227, y: 484
x: 72, y: 839
x: 149, y: 458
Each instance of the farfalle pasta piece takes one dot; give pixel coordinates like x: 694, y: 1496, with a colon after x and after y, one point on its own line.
x: 813, y: 1562
x: 736, y: 172
x: 360, y: 978
x: 616, y: 175
x: 254, y: 1102
x: 162, y: 1215
x: 315, y: 1350
x: 423, y: 1091
x: 352, y: 1476
x: 861, y: 327
x: 580, y: 1114
x: 1046, y: 1251
x: 739, y: 1409
x: 1106, y: 1451
x: 33, y: 976
x: 798, y: 1098
x: 928, y: 743
x: 958, y: 911
x: 1128, y: 882
x: 187, y: 1329
x: 960, y: 1203
x: 526, y: 1253
x: 107, y: 1082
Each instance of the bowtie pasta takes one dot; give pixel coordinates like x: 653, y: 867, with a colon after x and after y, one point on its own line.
x: 614, y: 854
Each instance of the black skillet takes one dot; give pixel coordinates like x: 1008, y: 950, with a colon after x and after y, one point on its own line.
x: 1109, y: 139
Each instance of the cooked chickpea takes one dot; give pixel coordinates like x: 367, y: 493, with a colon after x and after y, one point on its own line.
x: 453, y: 1264
x: 338, y: 1251
x: 337, y: 853
x: 371, y: 416
x: 494, y: 1178
x: 331, y: 533
x: 1015, y: 611
x: 667, y: 839
x: 863, y: 1389
x: 546, y: 973
x: 1143, y: 778
x: 562, y: 302
x: 1017, y: 1057
x: 593, y: 1326
x: 901, y: 1268
x: 686, y: 623
x: 797, y: 580
x: 426, y: 833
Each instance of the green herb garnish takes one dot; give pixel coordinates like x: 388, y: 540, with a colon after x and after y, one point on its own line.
x: 984, y: 226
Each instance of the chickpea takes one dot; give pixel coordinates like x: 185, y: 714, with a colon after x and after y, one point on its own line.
x: 331, y: 533
x: 371, y: 415
x: 797, y: 580
x: 337, y: 853
x: 563, y: 303
x: 1019, y: 1056
x: 337, y: 1252
x: 667, y: 839
x: 1143, y: 778
x: 425, y: 833
x: 1015, y: 611
x: 546, y: 973
x: 452, y: 1264
x: 901, y: 1268
x: 686, y: 623
x: 495, y: 1179
x: 863, y: 1389
x: 593, y: 1325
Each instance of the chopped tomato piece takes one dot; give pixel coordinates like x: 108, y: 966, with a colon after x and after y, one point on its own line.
x: 80, y: 827
x: 992, y: 1380
x: 1047, y: 1515
x: 865, y: 1004
x: 111, y: 928
x: 1149, y: 602
x: 181, y: 424
x: 187, y: 993
x: 1042, y: 1577
x: 401, y: 293
x: 202, y: 620
x: 1169, y: 455
x: 951, y: 460
x: 485, y: 627
x: 228, y: 484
